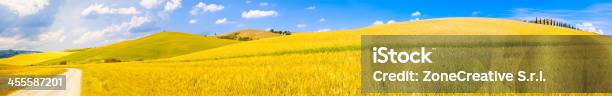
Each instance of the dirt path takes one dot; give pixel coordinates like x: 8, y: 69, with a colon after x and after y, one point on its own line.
x: 73, y: 86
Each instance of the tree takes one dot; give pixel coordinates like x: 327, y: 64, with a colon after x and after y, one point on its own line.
x: 244, y: 38
x: 111, y: 60
x: 63, y: 63
x: 288, y: 33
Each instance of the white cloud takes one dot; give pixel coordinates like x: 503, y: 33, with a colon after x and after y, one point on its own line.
x: 101, y: 9
x: 588, y: 26
x: 221, y: 21
x: 53, y: 36
x: 301, y: 25
x: 475, y: 13
x: 378, y: 22
x: 202, y: 7
x: 258, y: 14
x: 322, y: 20
x: 14, y: 42
x: 110, y: 31
x: 62, y: 25
x: 264, y: 4
x: 24, y: 7
x: 415, y: 19
x: 248, y: 1
x: 172, y: 5
x: 391, y: 21
x: 416, y: 13
x: 50, y: 40
x: 193, y: 21
x: 212, y: 8
x: 150, y: 3
x: 324, y: 30
x: 311, y: 8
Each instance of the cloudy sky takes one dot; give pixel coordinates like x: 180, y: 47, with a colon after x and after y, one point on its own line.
x: 50, y: 25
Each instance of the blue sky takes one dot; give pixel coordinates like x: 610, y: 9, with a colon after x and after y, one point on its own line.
x: 63, y: 24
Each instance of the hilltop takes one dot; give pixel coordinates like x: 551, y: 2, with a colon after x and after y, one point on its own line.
x: 469, y: 26
x: 248, y: 34
x: 159, y: 45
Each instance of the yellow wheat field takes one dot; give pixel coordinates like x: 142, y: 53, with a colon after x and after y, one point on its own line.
x: 33, y: 58
x: 261, y: 75
x: 319, y: 64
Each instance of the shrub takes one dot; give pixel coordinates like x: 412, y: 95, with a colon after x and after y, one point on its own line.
x: 63, y: 63
x: 111, y: 60
x: 244, y: 38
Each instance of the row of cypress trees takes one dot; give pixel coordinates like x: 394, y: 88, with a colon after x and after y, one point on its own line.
x: 551, y: 22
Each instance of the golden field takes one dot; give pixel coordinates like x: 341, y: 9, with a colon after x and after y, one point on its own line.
x: 323, y: 63
x: 33, y: 58
x: 16, y: 65
x: 271, y: 75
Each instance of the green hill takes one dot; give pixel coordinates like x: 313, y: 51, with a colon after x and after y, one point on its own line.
x: 159, y: 45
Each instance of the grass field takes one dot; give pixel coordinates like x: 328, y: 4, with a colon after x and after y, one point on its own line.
x: 159, y: 45
x: 18, y: 65
x: 33, y: 58
x: 323, y: 63
x: 238, y: 76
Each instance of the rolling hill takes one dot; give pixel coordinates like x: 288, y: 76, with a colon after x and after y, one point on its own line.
x: 328, y: 61
x: 469, y: 26
x: 248, y: 34
x: 350, y: 39
x: 32, y: 58
x: 159, y: 45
